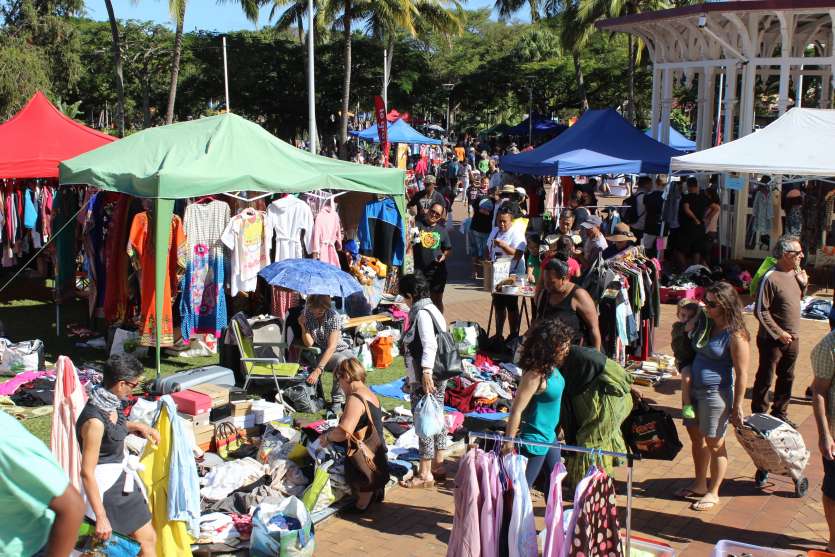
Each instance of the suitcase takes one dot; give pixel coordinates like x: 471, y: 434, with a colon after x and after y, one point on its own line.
x: 216, y: 375
x: 776, y: 448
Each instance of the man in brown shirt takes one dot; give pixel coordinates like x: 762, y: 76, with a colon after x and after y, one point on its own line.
x: 777, y: 308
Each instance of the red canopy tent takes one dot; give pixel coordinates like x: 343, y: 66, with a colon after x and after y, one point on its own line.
x: 36, y: 139
x: 393, y: 116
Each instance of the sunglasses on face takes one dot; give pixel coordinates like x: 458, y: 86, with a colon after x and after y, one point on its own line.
x: 435, y: 214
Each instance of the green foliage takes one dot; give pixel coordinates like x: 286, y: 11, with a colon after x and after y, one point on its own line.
x: 23, y: 71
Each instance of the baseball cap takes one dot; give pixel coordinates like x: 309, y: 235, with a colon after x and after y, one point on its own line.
x: 592, y: 222
x: 430, y: 179
x: 485, y: 204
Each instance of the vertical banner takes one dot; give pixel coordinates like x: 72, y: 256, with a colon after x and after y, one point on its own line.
x: 382, y: 126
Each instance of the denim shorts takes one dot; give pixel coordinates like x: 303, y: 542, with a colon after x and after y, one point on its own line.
x: 477, y: 244
x: 713, y: 409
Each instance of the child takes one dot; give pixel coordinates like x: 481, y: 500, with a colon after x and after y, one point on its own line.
x: 683, y: 350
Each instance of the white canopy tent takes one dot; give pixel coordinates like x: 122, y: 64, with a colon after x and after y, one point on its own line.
x: 799, y: 143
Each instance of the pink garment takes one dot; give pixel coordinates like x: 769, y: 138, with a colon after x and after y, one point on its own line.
x: 327, y: 235
x: 70, y: 399
x: 283, y: 300
x: 554, y: 533
x: 11, y: 386
x: 465, y: 540
x: 489, y: 484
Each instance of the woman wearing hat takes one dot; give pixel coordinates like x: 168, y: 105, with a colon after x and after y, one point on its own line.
x: 621, y: 240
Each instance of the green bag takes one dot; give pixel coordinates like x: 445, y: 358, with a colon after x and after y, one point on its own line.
x: 319, y: 488
x: 767, y: 264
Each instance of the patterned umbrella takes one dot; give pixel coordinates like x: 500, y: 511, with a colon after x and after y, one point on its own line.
x: 310, y: 276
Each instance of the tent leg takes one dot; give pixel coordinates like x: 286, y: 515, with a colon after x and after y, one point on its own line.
x: 163, y: 211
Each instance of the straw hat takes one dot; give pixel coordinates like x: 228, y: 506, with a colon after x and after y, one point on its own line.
x: 508, y: 188
x: 622, y: 233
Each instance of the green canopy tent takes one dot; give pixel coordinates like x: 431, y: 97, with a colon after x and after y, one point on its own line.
x: 214, y: 155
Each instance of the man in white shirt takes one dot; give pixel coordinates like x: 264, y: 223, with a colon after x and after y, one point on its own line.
x: 507, y: 240
x: 593, y: 241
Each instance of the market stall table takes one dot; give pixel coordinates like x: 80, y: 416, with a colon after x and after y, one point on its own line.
x: 527, y: 298
x: 357, y: 321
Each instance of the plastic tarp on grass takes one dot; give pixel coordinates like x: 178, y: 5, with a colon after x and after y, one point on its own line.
x: 601, y: 142
x: 398, y: 132
x: 541, y: 126
x: 677, y: 139
x: 36, y: 139
x: 214, y: 155
x: 801, y: 142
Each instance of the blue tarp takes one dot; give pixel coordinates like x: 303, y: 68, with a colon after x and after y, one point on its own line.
x: 398, y: 132
x: 541, y: 126
x: 677, y: 139
x: 601, y: 142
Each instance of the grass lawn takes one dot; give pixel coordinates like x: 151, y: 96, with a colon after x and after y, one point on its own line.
x: 30, y: 319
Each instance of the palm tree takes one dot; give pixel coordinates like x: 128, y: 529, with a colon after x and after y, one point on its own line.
x: 592, y: 10
x: 574, y: 36
x: 177, y: 9
x: 507, y: 8
x: 116, y: 49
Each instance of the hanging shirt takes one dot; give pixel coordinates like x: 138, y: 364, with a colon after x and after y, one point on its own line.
x: 465, y: 540
x: 70, y: 398
x: 326, y: 238
x: 247, y: 236
x: 380, y: 232
x: 287, y: 218
x: 203, y: 302
x: 522, y: 533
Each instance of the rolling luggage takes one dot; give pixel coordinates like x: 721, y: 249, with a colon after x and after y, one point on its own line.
x: 215, y: 375
x: 776, y: 448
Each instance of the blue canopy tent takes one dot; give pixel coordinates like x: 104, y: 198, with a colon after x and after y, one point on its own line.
x: 541, y: 126
x: 398, y: 132
x: 601, y: 142
x: 677, y: 139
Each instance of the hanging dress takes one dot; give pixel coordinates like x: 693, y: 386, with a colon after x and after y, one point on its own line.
x: 203, y: 303
x: 327, y: 235
x: 141, y: 246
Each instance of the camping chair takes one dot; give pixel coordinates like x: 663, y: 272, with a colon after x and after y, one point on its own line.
x: 259, y: 369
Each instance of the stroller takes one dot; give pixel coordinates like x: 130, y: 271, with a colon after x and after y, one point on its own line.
x: 776, y: 448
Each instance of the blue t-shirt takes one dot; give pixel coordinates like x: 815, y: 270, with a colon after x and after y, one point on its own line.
x: 713, y: 366
x: 540, y: 418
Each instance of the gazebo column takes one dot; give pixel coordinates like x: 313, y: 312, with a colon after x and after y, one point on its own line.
x: 666, y: 104
x: 783, y: 91
x: 707, y: 110
x: 729, y: 103
x: 826, y: 89
x: 656, y: 101
x: 746, y: 126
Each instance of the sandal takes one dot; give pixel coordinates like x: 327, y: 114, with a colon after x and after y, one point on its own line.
x: 687, y: 493
x: 701, y: 505
x: 417, y: 482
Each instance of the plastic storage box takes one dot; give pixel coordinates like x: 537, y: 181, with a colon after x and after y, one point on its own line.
x: 727, y: 548
x: 644, y: 547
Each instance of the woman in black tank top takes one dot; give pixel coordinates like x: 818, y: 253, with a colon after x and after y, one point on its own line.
x: 361, y: 421
x: 569, y: 303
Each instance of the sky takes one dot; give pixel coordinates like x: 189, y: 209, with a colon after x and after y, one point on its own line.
x: 209, y: 16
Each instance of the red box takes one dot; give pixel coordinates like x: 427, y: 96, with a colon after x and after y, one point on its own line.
x: 673, y: 295
x: 192, y: 403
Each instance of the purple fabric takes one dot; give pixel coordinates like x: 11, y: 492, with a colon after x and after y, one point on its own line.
x: 11, y: 386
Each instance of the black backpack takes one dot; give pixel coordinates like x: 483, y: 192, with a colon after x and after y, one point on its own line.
x: 630, y: 215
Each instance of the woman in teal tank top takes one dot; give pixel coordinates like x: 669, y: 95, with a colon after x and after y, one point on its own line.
x: 536, y: 408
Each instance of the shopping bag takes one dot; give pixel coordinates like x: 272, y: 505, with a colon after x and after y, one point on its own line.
x: 226, y: 439
x: 115, y: 546
x: 282, y: 529
x: 651, y: 433
x: 127, y: 342
x: 381, y: 352
x: 429, y: 417
x: 466, y: 335
x: 767, y: 264
x: 16, y: 357
x: 319, y: 494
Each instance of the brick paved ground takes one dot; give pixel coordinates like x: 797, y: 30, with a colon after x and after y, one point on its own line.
x: 419, y: 522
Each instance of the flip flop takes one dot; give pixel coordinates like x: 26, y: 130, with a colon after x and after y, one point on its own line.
x: 702, y: 506
x: 687, y: 493
x: 417, y: 483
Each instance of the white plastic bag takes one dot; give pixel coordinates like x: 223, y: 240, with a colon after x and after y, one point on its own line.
x: 268, y: 540
x: 429, y: 417
x: 16, y: 357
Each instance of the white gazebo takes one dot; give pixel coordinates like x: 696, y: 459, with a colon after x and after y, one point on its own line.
x: 730, y: 49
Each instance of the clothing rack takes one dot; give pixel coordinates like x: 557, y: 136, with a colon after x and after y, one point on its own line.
x: 630, y: 464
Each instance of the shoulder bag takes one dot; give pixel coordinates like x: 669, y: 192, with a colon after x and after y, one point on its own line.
x: 447, y: 358
x: 362, y: 446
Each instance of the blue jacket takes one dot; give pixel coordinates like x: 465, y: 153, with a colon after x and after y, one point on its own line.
x: 380, y: 232
x: 183, y: 483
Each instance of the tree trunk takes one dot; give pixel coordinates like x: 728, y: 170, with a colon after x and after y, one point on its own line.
x: 581, y: 82
x: 346, y: 83
x: 631, y: 100
x: 146, y: 95
x: 116, y: 46
x: 175, y: 68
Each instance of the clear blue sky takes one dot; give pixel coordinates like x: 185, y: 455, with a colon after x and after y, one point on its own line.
x: 205, y: 15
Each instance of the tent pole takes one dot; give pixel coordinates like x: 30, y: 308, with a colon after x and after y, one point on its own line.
x: 163, y: 212
x: 226, y: 76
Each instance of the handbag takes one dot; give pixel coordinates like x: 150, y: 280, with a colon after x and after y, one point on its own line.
x: 651, y: 432
x: 362, y: 446
x: 447, y: 359
x: 226, y: 439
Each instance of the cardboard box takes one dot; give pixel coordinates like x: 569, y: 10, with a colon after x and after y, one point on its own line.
x: 203, y: 435
x: 241, y: 408
x: 192, y: 402
x: 240, y: 422
x: 200, y: 420
x: 218, y: 394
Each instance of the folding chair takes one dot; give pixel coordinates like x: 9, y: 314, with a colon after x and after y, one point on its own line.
x: 259, y: 369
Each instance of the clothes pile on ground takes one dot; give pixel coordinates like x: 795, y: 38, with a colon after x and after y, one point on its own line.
x: 692, y: 282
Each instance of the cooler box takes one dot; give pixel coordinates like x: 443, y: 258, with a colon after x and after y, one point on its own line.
x: 671, y: 295
x: 191, y: 402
